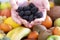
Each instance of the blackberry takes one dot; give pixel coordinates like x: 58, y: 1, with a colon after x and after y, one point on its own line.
x: 19, y: 9
x: 25, y: 17
x: 31, y: 5
x: 26, y: 8
x: 34, y: 17
x: 21, y: 13
x: 34, y: 10
x: 27, y: 13
x: 38, y: 14
x: 30, y: 18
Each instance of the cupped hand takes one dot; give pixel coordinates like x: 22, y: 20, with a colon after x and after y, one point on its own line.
x: 43, y: 6
x: 15, y: 15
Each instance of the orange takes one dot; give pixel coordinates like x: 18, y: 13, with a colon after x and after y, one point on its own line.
x: 5, y: 27
x: 33, y: 35
x: 47, y: 22
x: 56, y: 31
x: 6, y: 12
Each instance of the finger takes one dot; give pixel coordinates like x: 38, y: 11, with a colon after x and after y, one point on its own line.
x: 37, y: 21
x: 25, y: 23
x: 31, y: 24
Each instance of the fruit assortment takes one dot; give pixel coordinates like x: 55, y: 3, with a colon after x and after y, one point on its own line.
x: 10, y: 30
x: 32, y: 11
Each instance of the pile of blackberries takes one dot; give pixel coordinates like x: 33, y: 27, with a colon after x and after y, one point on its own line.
x: 29, y: 12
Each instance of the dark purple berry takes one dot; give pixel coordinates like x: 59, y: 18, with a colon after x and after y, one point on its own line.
x: 34, y: 10
x: 27, y: 13
x: 30, y: 18
x: 21, y: 13
x: 19, y: 9
x: 39, y: 14
x: 25, y: 17
x: 34, y: 17
x: 31, y: 5
x: 26, y: 8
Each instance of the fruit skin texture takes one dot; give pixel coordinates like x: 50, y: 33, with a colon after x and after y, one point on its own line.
x: 56, y: 31
x: 5, y: 27
x: 52, y: 37
x: 18, y: 33
x: 6, y: 12
x: 33, y: 35
x: 10, y: 21
x: 57, y: 22
x: 5, y: 5
x: 47, y: 22
x: 54, y: 12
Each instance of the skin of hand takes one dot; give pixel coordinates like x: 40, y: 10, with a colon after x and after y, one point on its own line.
x: 43, y: 6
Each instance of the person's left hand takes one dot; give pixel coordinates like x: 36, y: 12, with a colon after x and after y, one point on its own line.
x: 43, y: 6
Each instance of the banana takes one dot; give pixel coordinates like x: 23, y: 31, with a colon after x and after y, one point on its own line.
x: 18, y: 33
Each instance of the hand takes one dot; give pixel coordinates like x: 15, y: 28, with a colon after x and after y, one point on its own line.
x: 43, y: 6
x: 14, y: 14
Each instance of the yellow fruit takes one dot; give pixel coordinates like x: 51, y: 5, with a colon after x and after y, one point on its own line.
x: 18, y: 33
x: 51, y: 4
x: 11, y: 22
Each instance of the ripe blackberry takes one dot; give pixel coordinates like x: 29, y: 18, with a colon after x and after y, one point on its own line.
x: 19, y: 9
x: 34, y: 10
x: 21, y: 13
x: 25, y: 17
x: 31, y: 5
x: 34, y: 17
x: 38, y: 14
x: 30, y: 18
x: 25, y: 8
x: 27, y: 13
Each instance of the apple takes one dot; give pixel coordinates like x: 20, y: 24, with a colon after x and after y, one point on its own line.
x: 57, y: 22
x: 6, y: 12
x: 53, y: 37
x: 5, y: 5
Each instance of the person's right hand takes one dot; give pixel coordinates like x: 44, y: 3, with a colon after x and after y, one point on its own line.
x: 15, y: 15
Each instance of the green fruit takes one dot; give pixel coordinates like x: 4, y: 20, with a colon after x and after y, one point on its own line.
x: 57, y: 22
x: 3, y: 6
x: 18, y: 33
x: 53, y: 37
x: 2, y: 34
x: 8, y: 5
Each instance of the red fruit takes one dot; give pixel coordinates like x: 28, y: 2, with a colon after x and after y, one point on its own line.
x: 6, y: 12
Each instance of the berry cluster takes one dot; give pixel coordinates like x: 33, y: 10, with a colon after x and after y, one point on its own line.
x: 29, y: 12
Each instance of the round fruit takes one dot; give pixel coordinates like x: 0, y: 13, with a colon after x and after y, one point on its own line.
x: 56, y: 31
x: 57, y: 22
x: 47, y: 22
x: 51, y: 4
x: 44, y: 34
x: 30, y: 39
x: 54, y: 12
x: 39, y: 28
x: 33, y: 35
x: 11, y: 22
x: 6, y: 12
x: 5, y: 27
x: 53, y: 37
